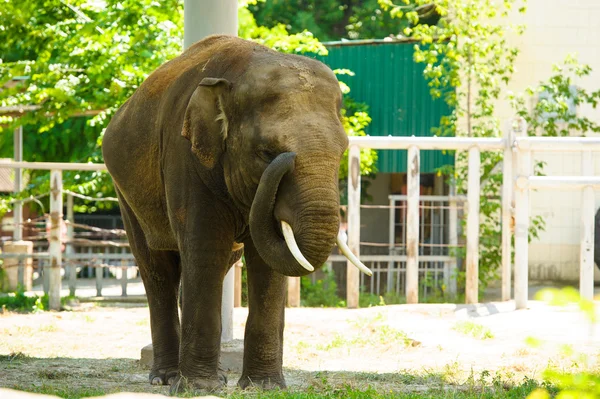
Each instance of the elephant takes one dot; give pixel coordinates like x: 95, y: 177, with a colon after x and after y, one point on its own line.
x: 230, y: 147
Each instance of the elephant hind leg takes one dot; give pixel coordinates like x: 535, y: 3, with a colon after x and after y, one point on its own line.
x: 160, y: 271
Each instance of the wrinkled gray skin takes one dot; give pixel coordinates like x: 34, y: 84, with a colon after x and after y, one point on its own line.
x: 212, y: 151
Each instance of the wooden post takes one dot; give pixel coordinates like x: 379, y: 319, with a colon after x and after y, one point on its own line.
x: 124, y: 272
x: 56, y: 207
x: 293, y: 298
x: 237, y: 297
x: 18, y: 207
x: 412, y: 224
x: 72, y: 268
x: 453, y: 241
x: 507, y: 194
x: 352, y: 273
x: 522, y: 222
x: 586, y: 268
x: 473, y: 191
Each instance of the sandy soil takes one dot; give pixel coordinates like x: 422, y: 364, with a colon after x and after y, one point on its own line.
x: 391, y: 347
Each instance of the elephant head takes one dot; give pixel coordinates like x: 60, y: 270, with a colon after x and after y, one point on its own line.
x: 273, y: 129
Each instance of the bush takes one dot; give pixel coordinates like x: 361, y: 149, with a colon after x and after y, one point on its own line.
x: 323, y: 293
x: 19, y: 302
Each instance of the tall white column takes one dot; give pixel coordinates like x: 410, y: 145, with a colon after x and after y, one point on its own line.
x: 203, y: 18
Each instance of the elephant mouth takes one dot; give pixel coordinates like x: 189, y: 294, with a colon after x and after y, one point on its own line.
x: 274, y: 237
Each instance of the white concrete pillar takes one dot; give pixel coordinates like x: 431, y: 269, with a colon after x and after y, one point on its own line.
x: 203, y: 18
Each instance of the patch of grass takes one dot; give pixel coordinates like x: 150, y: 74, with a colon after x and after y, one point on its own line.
x: 89, y: 319
x: 66, y: 392
x: 474, y: 330
x: 369, y: 330
x: 20, y: 302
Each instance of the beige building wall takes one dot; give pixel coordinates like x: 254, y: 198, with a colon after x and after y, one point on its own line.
x: 556, y: 28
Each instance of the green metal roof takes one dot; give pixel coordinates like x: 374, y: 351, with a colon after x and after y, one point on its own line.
x: 392, y: 84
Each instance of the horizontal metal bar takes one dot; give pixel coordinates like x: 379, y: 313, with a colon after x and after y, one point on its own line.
x: 52, y: 165
x: 558, y: 144
x: 440, y: 198
x: 101, y: 256
x: 393, y: 258
x: 558, y: 182
x: 427, y: 143
x: 35, y: 255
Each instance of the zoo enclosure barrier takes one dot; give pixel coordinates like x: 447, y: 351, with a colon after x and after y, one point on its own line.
x: 518, y: 179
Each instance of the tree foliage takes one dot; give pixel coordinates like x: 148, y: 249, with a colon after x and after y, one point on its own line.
x: 83, y: 57
x: 469, y: 62
x: 328, y: 19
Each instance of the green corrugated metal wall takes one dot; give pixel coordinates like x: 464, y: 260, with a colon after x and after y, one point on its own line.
x: 392, y: 84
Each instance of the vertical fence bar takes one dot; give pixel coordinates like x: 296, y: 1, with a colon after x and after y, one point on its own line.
x: 99, y: 275
x: 473, y: 189
x: 453, y: 241
x: 352, y: 273
x: 56, y: 208
x: 507, y: 188
x: 392, y: 242
x: 412, y: 225
x: 522, y: 222
x: 124, y: 272
x: 293, y: 292
x: 72, y: 268
x: 586, y: 257
x: 46, y: 266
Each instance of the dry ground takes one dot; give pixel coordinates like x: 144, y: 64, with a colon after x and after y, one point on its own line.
x: 97, y: 346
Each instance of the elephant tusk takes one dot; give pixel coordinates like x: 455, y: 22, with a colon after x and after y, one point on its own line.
x: 288, y: 234
x: 341, y: 242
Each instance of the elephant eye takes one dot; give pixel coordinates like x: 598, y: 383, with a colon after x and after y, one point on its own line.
x: 267, y: 155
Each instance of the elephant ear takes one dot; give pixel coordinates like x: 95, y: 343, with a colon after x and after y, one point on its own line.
x: 205, y: 121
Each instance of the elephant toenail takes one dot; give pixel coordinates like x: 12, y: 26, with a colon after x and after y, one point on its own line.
x: 171, y: 380
x: 157, y: 381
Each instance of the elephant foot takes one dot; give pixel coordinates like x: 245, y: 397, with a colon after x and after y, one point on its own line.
x: 183, y: 384
x: 264, y: 383
x: 164, y: 376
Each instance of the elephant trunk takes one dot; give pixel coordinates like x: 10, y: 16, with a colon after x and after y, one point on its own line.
x: 284, y: 254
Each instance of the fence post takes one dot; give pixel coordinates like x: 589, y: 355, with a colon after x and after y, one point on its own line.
x: 56, y: 207
x: 473, y: 191
x: 412, y: 224
x: 99, y: 274
x: 522, y: 221
x: 586, y: 265
x: 124, y: 276
x: 72, y: 268
x: 453, y: 240
x: 293, y: 298
x: 507, y: 193
x: 237, y: 298
x: 18, y: 207
x: 352, y: 273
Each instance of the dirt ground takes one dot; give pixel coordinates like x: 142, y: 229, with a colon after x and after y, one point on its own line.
x: 392, y: 347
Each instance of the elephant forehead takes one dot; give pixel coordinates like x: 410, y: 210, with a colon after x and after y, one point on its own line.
x: 289, y: 75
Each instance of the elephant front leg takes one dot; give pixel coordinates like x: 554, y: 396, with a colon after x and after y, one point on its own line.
x: 202, y: 285
x: 263, y: 340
